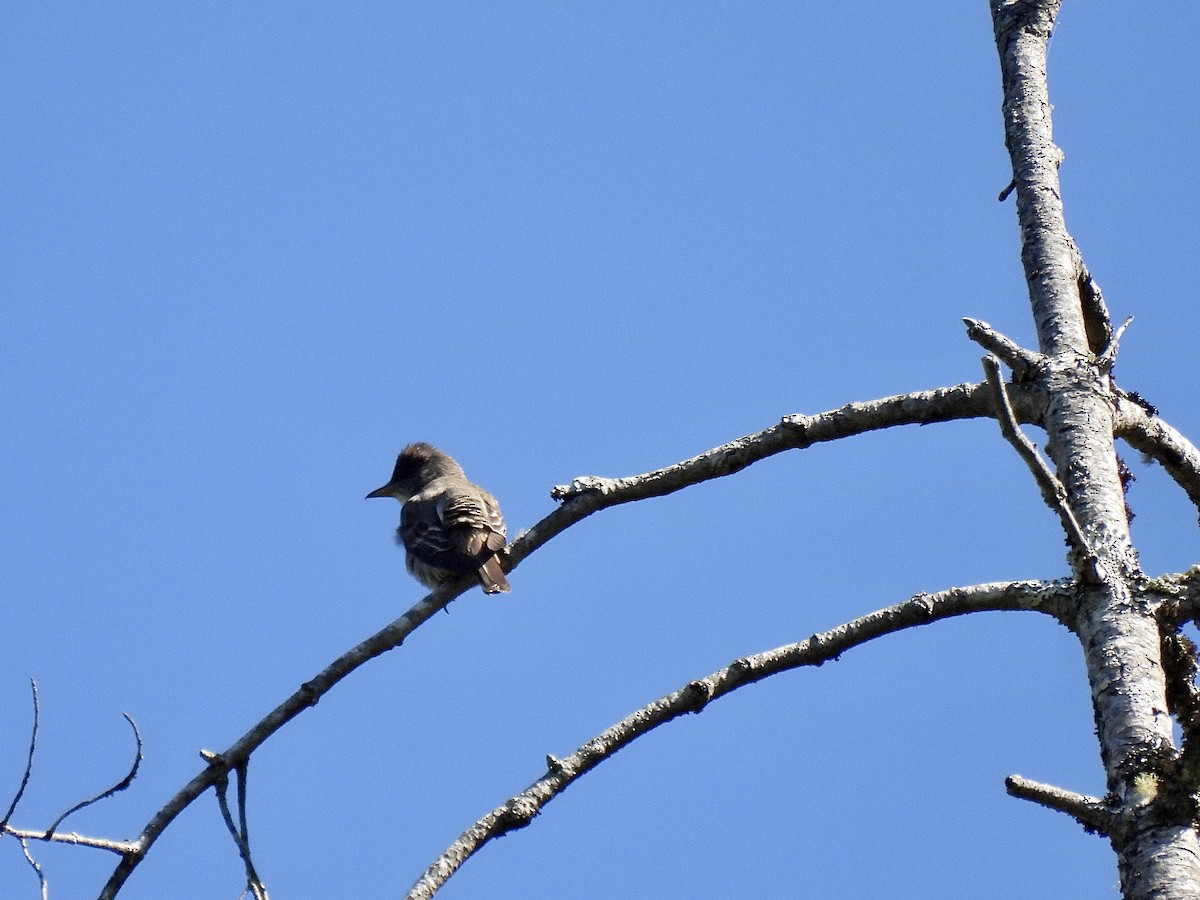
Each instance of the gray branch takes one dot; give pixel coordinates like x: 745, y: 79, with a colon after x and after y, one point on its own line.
x: 1023, y: 362
x: 583, y: 497
x: 1052, y: 490
x: 1148, y: 434
x: 518, y: 811
x: 1090, y: 812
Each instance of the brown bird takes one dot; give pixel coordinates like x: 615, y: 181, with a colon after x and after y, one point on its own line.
x: 449, y: 527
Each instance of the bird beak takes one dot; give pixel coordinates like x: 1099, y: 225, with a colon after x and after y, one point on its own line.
x: 385, y: 491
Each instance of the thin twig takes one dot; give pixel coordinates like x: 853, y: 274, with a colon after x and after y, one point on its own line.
x: 1052, y: 490
x: 12, y: 807
x: 1109, y: 357
x: 121, y: 848
x: 116, y: 788
x: 253, y: 882
x: 1090, y: 812
x: 37, y: 868
x: 1050, y: 597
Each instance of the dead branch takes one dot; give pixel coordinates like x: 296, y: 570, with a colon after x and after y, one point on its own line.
x: 518, y: 811
x: 581, y: 498
x: 1090, y: 812
x: 1052, y: 490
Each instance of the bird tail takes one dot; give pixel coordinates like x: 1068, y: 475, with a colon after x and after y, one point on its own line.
x: 491, y: 576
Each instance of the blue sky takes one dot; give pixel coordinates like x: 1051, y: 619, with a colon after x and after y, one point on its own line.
x: 251, y: 250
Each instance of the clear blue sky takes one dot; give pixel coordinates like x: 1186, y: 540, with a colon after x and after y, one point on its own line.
x: 250, y: 250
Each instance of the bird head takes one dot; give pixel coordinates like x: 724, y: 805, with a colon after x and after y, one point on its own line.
x: 416, y: 466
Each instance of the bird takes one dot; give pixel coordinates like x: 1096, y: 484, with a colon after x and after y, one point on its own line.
x: 449, y: 527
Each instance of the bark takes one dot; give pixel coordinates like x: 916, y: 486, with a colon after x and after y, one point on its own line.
x: 1153, y: 835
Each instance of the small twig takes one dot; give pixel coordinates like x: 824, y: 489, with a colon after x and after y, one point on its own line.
x: 240, y: 771
x: 37, y: 869
x: 116, y: 788
x: 1012, y: 186
x: 1109, y: 357
x: 12, y: 807
x: 121, y: 848
x: 1020, y: 360
x: 1090, y: 812
x: 253, y: 881
x: 1052, y: 490
x: 240, y: 838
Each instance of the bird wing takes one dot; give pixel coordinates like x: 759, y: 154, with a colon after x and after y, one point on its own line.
x: 425, y: 536
x: 452, y: 526
x: 473, y: 519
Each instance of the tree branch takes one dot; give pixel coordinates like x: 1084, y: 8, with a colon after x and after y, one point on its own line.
x: 240, y: 832
x: 1152, y: 436
x: 581, y: 498
x: 518, y: 811
x: 37, y: 870
x: 587, y: 494
x: 1106, y: 360
x: 1023, y: 362
x: 1090, y: 812
x: 1052, y: 490
x: 116, y: 788
x: 121, y: 848
x: 12, y: 807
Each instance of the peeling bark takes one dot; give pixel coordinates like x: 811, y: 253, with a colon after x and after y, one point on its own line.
x: 1154, y: 835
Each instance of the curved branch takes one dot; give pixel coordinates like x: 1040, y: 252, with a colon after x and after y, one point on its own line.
x: 581, y: 498
x: 116, y: 788
x: 37, y: 715
x: 586, y: 495
x: 517, y: 812
x: 1149, y: 434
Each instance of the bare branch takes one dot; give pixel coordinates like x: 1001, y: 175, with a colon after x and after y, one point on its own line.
x: 307, y: 695
x: 1052, y: 490
x: 581, y: 498
x: 1152, y: 436
x: 116, y: 788
x: 12, y: 807
x: 517, y: 812
x: 121, y: 848
x: 585, y: 495
x: 37, y: 868
x: 1023, y: 362
x: 1108, y: 358
x: 240, y: 835
x: 1090, y: 812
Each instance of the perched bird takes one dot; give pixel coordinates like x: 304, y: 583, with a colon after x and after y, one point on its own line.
x: 449, y: 527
